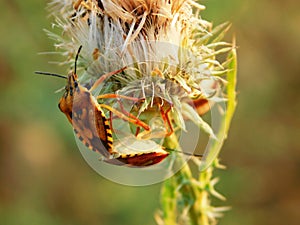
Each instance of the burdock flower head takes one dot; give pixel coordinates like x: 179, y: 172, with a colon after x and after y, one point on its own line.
x: 168, y: 58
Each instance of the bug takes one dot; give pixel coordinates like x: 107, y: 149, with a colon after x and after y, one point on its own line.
x: 91, y: 125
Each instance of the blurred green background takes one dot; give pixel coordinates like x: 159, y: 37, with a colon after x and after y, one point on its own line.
x: 44, y: 179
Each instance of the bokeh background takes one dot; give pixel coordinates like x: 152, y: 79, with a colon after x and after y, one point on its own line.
x: 45, y: 180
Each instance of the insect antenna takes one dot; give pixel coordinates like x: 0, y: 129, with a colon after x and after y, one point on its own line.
x: 76, y: 58
x: 58, y: 75
x: 50, y: 74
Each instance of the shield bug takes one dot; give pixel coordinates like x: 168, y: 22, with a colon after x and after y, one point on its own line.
x: 93, y: 128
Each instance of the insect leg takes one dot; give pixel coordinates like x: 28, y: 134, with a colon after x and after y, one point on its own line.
x: 105, y: 76
x: 126, y: 116
x: 166, y: 119
x: 129, y: 115
x: 117, y: 96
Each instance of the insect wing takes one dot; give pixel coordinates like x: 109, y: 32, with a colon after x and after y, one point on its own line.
x: 137, y: 153
x: 90, y: 124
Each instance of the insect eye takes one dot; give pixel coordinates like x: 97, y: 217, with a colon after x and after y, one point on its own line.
x: 75, y: 84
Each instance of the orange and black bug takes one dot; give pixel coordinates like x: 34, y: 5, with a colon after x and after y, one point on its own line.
x: 91, y: 125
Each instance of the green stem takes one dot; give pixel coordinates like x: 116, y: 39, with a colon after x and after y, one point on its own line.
x: 168, y: 197
x: 181, y: 191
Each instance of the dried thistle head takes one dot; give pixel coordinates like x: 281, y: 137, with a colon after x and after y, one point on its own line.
x: 169, y: 51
